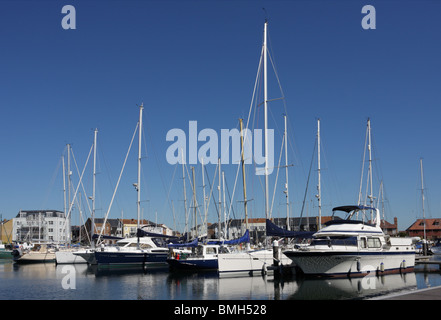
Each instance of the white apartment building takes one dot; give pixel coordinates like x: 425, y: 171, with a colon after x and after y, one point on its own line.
x: 43, y: 226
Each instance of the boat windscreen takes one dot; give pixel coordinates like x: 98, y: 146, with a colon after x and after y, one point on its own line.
x: 335, y: 241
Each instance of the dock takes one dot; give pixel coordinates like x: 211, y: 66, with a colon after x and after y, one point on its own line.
x: 433, y: 293
x: 425, y: 260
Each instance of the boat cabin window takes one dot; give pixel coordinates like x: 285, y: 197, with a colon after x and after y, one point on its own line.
x: 363, y: 243
x: 121, y: 244
x: 374, y: 243
x: 211, y: 250
x: 370, y: 243
x: 335, y: 241
x: 223, y: 250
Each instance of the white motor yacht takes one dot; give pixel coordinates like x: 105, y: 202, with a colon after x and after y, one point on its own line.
x: 349, y: 247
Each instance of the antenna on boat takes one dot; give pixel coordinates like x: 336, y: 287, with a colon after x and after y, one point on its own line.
x: 266, y: 15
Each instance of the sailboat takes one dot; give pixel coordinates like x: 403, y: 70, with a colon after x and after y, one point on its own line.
x: 67, y: 255
x: 39, y: 253
x: 250, y: 261
x: 201, y: 256
x: 145, y: 255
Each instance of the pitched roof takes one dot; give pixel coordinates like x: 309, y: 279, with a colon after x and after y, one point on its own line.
x: 431, y: 224
x: 387, y: 225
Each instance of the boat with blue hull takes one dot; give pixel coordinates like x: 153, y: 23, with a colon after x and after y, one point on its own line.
x: 346, y: 247
x: 202, y: 257
x: 132, y: 257
x: 146, y: 249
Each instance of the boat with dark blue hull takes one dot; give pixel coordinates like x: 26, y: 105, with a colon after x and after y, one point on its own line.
x: 147, y: 249
x: 132, y: 256
x: 202, y: 257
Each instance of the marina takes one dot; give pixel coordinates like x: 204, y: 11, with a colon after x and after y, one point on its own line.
x: 48, y: 281
x: 198, y: 189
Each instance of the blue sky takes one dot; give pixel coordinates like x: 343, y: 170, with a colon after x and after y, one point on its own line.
x: 197, y: 60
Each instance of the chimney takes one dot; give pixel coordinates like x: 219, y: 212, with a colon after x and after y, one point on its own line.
x: 396, y: 222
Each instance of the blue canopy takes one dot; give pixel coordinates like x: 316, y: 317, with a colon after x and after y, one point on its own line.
x: 194, y: 243
x: 142, y: 233
x: 96, y: 236
x: 244, y: 239
x: 275, y: 231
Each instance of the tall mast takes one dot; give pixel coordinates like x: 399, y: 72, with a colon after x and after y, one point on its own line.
x: 265, y: 98
x: 225, y: 206
x: 286, y: 174
x: 64, y: 192
x: 93, y: 184
x: 243, y: 173
x: 203, y: 193
x: 68, y: 188
x: 371, y: 196
x: 138, y: 187
x: 422, y: 198
x: 220, y: 199
x: 319, y: 195
x: 194, y: 205
x: 185, y: 194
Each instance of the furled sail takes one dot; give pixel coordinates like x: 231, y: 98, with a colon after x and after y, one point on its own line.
x: 274, y: 231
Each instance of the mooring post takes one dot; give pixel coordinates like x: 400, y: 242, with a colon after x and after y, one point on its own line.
x: 276, y: 258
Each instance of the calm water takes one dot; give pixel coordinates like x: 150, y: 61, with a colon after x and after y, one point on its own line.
x: 72, y: 282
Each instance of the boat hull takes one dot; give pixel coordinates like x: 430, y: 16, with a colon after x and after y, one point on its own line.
x: 68, y: 257
x: 35, y: 257
x: 436, y: 249
x: 193, y: 264
x: 247, y: 262
x: 5, y: 254
x: 340, y: 264
x: 126, y: 258
x: 88, y: 255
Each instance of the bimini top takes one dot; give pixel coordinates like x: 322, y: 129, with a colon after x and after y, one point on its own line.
x: 352, y: 208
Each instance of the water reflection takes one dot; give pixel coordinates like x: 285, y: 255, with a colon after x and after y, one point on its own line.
x: 353, y: 288
x: 44, y: 281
